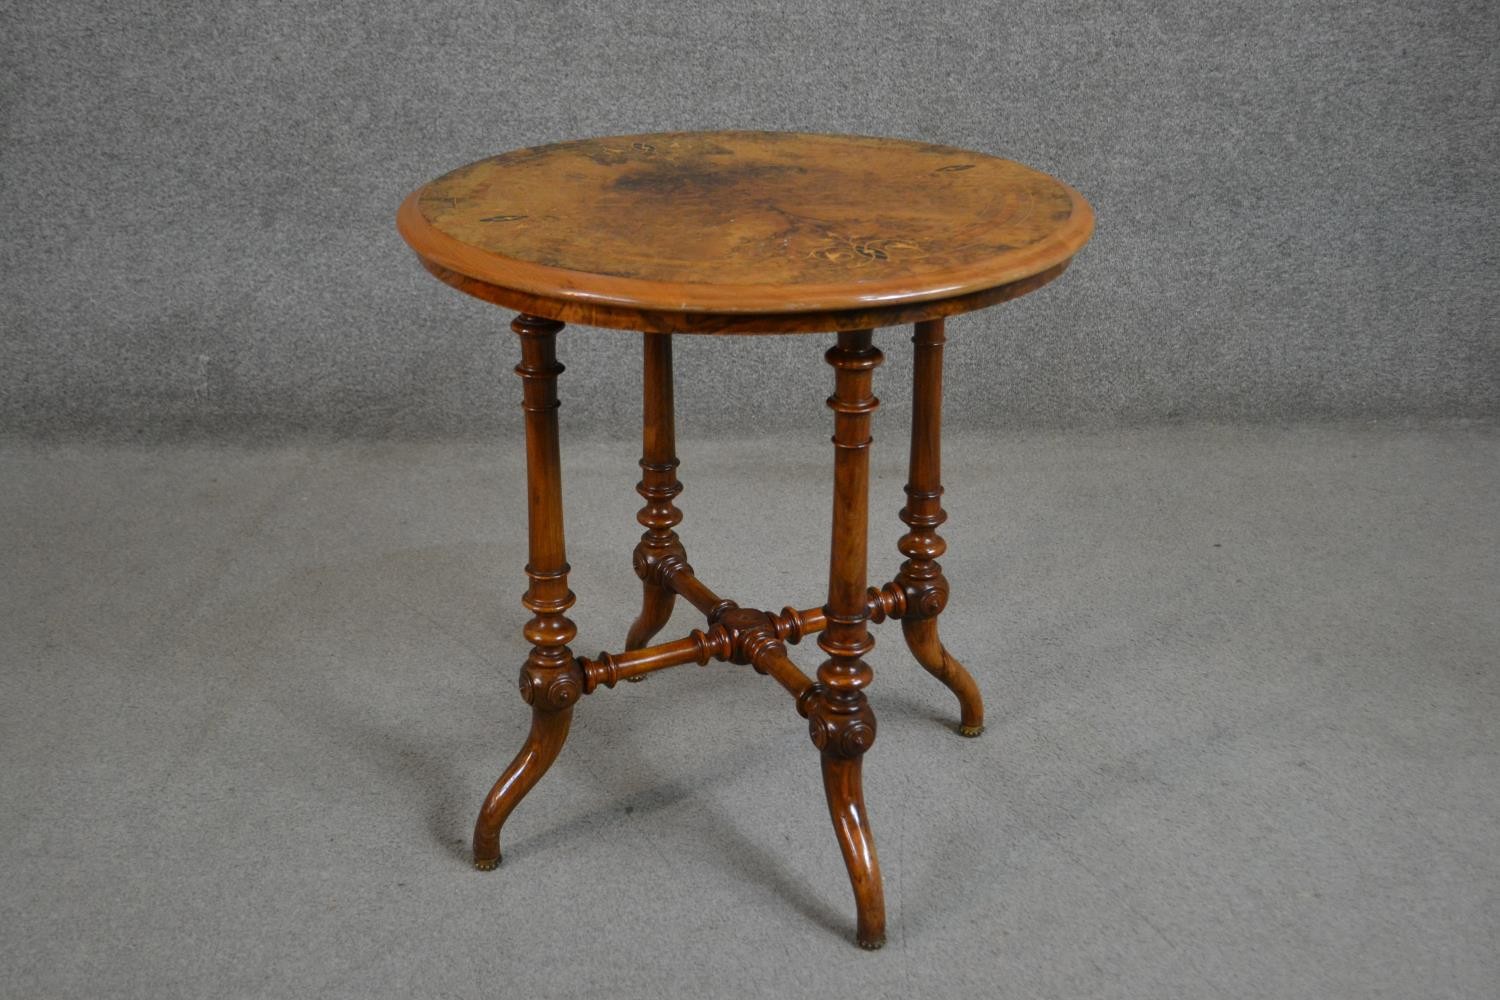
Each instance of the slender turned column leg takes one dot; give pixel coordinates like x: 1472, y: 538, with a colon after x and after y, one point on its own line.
x: 659, y: 546
x: 839, y: 717
x: 921, y: 577
x: 551, y: 679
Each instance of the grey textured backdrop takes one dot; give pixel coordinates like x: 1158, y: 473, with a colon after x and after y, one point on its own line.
x: 1297, y: 203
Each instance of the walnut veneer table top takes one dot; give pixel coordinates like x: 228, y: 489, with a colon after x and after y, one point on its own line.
x: 745, y: 231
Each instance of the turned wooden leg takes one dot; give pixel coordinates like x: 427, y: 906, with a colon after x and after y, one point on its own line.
x: 921, y: 577
x: 659, y: 548
x: 551, y: 679
x: 840, y: 721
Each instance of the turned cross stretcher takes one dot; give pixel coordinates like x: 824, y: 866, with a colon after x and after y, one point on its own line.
x: 743, y: 232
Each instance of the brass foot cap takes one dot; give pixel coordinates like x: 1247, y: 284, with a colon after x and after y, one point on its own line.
x: 971, y: 730
x: 874, y: 945
x: 486, y: 864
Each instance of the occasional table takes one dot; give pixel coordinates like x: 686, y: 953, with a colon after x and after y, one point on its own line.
x: 734, y: 233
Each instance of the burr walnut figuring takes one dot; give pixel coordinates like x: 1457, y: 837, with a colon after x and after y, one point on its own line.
x: 743, y: 233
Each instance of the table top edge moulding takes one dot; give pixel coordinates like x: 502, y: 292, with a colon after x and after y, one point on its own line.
x: 742, y: 232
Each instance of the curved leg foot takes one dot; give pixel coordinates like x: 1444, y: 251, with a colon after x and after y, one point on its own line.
x: 846, y: 805
x: 922, y: 639
x: 656, y: 607
x: 548, y: 731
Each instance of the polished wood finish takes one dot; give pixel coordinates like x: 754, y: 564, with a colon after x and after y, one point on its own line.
x: 687, y: 231
x: 921, y: 577
x: 602, y: 314
x: 744, y: 232
x: 659, y: 544
x: 841, y: 722
x: 551, y: 678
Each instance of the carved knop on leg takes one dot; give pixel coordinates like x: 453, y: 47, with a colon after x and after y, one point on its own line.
x: 922, y: 596
x: 659, y: 552
x: 843, y: 730
x: 656, y: 563
x: 921, y: 576
x: 551, y: 679
x: 551, y: 689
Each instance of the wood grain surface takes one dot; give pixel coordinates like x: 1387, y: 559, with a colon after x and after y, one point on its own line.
x: 715, y: 231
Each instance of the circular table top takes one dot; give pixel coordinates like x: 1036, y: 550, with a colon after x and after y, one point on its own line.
x: 745, y: 231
